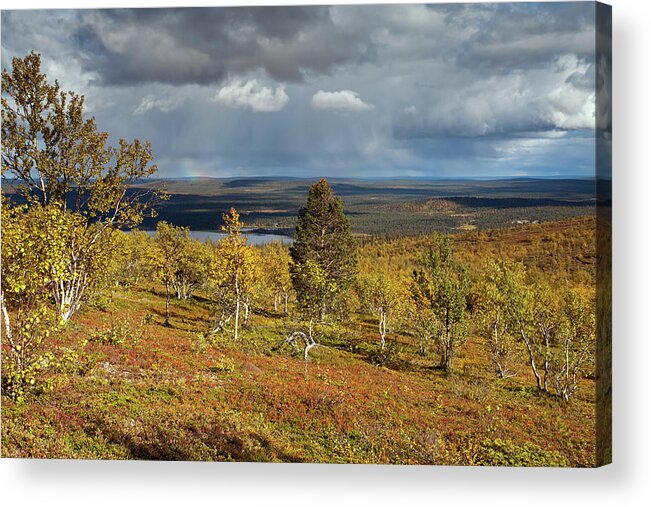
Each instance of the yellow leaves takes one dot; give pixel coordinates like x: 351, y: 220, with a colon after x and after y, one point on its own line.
x: 34, y: 256
x: 232, y: 224
x: 378, y: 291
x: 172, y: 247
x: 235, y: 262
x: 72, y: 157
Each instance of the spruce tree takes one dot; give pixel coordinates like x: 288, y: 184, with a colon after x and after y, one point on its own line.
x: 324, y: 243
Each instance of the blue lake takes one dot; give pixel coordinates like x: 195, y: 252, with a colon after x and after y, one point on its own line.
x: 255, y: 238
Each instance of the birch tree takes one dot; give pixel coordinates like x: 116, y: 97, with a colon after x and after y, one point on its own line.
x: 135, y: 263
x: 531, y: 314
x: 557, y: 331
x: 576, y: 339
x: 420, y: 323
x: 192, y: 263
x: 275, y: 263
x: 168, y: 244
x: 33, y: 242
x: 236, y: 268
x: 380, y: 297
x: 316, y: 288
x: 497, y: 289
x: 441, y: 285
x: 54, y: 155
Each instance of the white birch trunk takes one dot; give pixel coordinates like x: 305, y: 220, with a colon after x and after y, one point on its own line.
x: 237, y: 307
x: 382, y: 325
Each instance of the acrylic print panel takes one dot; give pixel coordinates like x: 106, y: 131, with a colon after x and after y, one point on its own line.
x: 338, y: 234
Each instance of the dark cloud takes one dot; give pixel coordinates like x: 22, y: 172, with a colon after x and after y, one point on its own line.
x: 604, y: 91
x: 511, y: 36
x: 206, y: 45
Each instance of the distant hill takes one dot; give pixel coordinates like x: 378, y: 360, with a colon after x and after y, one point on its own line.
x: 391, y: 207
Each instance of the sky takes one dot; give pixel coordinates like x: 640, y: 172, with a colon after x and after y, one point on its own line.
x: 427, y: 91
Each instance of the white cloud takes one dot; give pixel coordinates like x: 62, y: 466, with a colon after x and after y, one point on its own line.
x: 164, y: 103
x: 569, y: 108
x: 344, y: 100
x: 571, y: 104
x: 252, y: 94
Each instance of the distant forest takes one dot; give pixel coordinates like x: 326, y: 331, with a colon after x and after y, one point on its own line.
x: 388, y: 208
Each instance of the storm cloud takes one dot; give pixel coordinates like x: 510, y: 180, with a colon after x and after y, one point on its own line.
x: 207, y: 45
x: 392, y: 90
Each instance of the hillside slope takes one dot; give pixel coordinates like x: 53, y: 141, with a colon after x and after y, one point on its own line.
x: 131, y: 388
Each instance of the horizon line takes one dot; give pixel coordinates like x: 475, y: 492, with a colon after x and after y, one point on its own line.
x: 376, y: 178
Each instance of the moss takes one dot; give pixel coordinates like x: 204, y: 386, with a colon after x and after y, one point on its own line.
x: 505, y: 453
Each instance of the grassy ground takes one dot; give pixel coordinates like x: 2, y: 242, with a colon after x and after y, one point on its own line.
x: 140, y: 390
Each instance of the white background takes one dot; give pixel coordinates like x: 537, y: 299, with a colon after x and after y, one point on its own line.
x: 626, y: 482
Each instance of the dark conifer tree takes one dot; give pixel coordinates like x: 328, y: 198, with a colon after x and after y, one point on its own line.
x: 324, y: 252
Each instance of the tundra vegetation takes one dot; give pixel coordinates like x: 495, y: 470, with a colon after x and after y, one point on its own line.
x: 475, y: 348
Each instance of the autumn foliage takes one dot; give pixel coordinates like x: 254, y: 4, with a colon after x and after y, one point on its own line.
x: 473, y: 348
